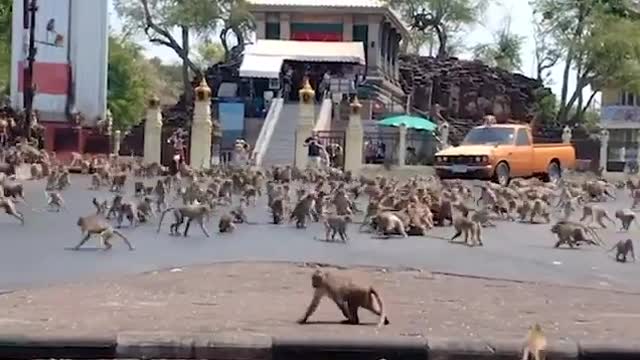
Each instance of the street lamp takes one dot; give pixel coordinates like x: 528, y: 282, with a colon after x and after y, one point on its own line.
x: 31, y: 58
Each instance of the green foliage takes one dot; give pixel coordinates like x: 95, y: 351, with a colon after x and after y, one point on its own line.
x: 209, y: 53
x: 127, y: 85
x: 5, y: 42
x: 445, y: 18
x: 598, y: 40
x: 504, y: 53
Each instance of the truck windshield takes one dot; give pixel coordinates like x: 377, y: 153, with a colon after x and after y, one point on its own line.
x: 489, y: 135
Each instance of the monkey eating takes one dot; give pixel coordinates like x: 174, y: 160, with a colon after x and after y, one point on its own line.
x: 347, y: 295
x: 623, y: 248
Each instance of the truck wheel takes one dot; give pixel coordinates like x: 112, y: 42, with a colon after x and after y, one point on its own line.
x: 501, y: 174
x: 553, y: 172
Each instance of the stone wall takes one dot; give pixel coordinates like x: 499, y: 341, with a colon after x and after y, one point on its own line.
x: 467, y: 90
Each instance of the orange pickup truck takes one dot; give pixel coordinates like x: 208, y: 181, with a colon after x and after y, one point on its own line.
x: 501, y: 152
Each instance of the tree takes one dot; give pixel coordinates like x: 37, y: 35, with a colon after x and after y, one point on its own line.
x: 159, y: 19
x: 505, y: 52
x: 5, y: 42
x: 209, y: 53
x: 547, y: 52
x: 599, y: 45
x: 127, y: 84
x: 446, y: 18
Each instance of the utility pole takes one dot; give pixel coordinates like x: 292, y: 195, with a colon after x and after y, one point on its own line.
x: 29, y: 92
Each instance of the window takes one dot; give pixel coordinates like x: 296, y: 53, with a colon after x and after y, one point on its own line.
x: 523, y: 138
x: 273, y: 31
x: 361, y: 33
x: 629, y: 99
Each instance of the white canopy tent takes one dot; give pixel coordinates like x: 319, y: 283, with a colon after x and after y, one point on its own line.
x: 264, y: 58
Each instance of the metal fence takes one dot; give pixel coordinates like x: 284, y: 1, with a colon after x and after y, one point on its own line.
x: 421, y: 147
x: 380, y: 147
x: 335, y: 144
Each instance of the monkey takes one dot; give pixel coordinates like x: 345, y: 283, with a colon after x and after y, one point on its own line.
x: 138, y: 187
x: 63, y: 180
x: 9, y: 208
x: 145, y: 209
x: 118, y: 182
x: 191, y: 212
x: 482, y: 217
x: 487, y: 195
x: 444, y: 212
x: 96, y: 182
x: 36, y: 172
x: 303, y: 210
x: 130, y: 210
x: 469, y: 228
x: 97, y: 225
x: 595, y: 212
x: 226, y: 225
x: 277, y: 210
x: 573, y: 234
x: 347, y: 295
x: 568, y: 207
x: 239, y: 215
x: 388, y: 223
x: 635, y: 195
x: 623, y: 248
x: 535, y: 344
x: 54, y: 200
x: 101, y: 207
x: 52, y: 180
x: 116, y: 203
x: 626, y: 217
x: 12, y: 189
x: 250, y: 195
x: 336, y: 224
x: 540, y: 208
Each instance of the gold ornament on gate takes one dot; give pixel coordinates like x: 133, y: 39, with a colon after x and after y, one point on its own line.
x: 306, y: 92
x: 154, y: 102
x: 203, y: 91
x: 355, y: 105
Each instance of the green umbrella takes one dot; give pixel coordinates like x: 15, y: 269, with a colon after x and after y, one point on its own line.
x: 411, y: 122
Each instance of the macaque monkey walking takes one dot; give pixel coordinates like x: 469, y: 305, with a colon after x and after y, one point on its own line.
x: 536, y: 344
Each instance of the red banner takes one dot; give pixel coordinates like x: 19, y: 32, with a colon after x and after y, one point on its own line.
x: 316, y: 36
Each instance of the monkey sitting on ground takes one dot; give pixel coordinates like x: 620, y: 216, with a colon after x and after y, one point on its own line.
x: 347, y: 295
x: 541, y: 209
x: 9, y: 208
x: 63, y: 180
x: 623, y: 248
x: 54, y: 200
x: 469, y: 228
x: 535, y: 344
x: 191, y: 212
x: 97, y: 225
x: 145, y: 209
x: 226, y: 225
x: 626, y: 217
x: 337, y: 224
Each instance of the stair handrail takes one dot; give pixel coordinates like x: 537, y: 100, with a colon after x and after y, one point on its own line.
x: 266, y: 132
x: 323, y: 121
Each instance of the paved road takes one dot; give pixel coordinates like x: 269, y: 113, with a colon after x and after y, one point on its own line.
x: 36, y: 255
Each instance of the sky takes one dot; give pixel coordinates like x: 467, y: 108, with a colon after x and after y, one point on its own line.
x: 518, y: 11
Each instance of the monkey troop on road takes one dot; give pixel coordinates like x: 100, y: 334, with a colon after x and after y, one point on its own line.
x: 327, y: 196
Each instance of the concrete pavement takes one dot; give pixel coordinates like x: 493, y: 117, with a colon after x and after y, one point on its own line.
x: 35, y: 254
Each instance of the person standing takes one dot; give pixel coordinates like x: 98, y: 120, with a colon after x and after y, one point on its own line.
x: 314, y: 152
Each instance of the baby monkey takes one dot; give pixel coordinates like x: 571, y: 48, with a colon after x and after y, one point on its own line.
x: 347, y: 295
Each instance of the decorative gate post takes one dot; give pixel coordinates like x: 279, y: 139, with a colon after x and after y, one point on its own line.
x: 201, y: 128
x: 117, y: 140
x: 153, y: 132
x: 402, y: 145
x: 353, y: 139
x: 604, y: 150
x: 305, y: 123
x: 566, y: 135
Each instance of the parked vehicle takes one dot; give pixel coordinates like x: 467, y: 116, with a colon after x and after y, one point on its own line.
x: 502, y: 152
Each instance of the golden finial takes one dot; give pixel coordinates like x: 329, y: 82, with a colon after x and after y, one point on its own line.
x: 203, y: 91
x: 355, y: 105
x: 154, y: 101
x: 306, y: 93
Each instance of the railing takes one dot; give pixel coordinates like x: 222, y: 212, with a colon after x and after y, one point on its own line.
x: 380, y: 147
x: 266, y: 132
x: 323, y: 122
x: 421, y: 147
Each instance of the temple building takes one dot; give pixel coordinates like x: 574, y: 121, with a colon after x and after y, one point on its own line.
x: 352, y: 40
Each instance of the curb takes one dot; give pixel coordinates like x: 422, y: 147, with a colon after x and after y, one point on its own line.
x: 249, y: 346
